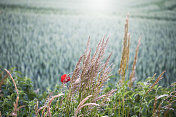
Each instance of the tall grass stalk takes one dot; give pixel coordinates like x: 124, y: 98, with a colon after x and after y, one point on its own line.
x: 132, y: 75
x: 124, y: 60
x: 157, y: 80
x: 124, y: 64
x: 125, y: 53
x: 15, y: 109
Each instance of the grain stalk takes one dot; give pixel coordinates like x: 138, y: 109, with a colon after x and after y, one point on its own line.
x: 124, y: 65
x: 132, y: 75
x: 124, y: 60
x: 47, y: 106
x: 36, y: 109
x: 12, y: 81
x: 154, y: 107
x: 157, y: 80
x: 159, y: 108
x: 81, y: 105
x: 88, y: 77
x: 125, y: 53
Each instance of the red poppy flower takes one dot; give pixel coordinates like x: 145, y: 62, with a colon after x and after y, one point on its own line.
x: 65, y: 78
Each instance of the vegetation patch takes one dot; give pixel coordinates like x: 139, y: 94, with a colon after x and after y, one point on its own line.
x: 87, y: 92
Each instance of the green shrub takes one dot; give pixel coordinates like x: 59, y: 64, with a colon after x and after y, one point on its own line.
x: 8, y: 94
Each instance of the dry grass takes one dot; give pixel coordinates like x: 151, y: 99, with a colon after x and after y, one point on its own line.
x: 36, y: 109
x: 154, y: 107
x: 12, y: 81
x: 81, y: 105
x: 90, y: 74
x: 132, y: 74
x: 159, y: 110
x: 47, y: 106
x: 125, y: 53
x: 157, y: 80
x: 125, y: 57
x: 107, y: 95
x: 125, y: 61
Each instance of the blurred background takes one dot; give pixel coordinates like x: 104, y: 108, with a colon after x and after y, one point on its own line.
x: 44, y: 39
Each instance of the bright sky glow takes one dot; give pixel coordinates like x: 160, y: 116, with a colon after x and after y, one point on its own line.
x: 98, y: 5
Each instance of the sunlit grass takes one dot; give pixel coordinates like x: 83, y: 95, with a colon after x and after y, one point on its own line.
x: 87, y: 92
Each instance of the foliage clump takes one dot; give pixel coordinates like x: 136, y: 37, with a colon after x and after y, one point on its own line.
x: 16, y: 93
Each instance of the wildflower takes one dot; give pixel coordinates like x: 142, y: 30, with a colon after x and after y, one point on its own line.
x: 65, y: 78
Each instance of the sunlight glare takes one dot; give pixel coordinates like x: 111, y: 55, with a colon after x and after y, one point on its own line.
x: 98, y: 5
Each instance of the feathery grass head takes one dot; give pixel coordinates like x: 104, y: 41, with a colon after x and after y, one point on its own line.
x: 125, y: 53
x: 125, y: 57
x: 132, y: 74
x: 90, y: 74
x: 81, y: 105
